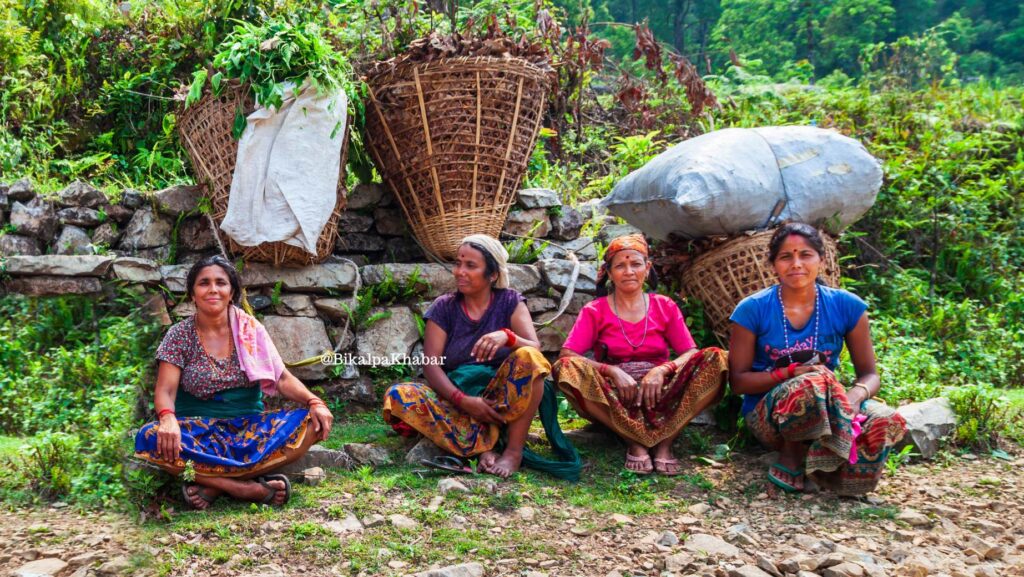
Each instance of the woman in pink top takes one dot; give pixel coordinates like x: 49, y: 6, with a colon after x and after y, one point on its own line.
x: 631, y: 385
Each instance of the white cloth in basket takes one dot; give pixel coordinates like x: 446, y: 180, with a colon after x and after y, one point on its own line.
x: 285, y: 183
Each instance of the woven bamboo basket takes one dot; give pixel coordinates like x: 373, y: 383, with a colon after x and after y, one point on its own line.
x: 205, y: 131
x: 721, y: 277
x: 452, y: 138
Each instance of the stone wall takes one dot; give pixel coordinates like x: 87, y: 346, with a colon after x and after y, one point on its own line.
x: 77, y: 242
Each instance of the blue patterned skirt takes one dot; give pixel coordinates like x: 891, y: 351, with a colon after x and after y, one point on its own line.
x: 237, y: 447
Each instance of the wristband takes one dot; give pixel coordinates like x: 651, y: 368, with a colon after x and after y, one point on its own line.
x: 160, y: 414
x: 777, y: 375
x: 791, y: 369
x: 511, y: 337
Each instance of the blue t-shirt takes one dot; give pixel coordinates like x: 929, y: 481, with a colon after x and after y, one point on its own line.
x: 761, y: 314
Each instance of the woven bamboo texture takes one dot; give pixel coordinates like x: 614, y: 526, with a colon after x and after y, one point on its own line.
x: 205, y: 131
x: 723, y: 276
x: 452, y: 138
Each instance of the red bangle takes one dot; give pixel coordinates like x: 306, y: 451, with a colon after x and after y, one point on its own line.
x: 511, y: 337
x: 160, y: 414
x: 315, y: 401
x: 457, y: 397
x: 602, y: 369
x: 671, y: 366
x: 777, y: 375
x: 792, y: 369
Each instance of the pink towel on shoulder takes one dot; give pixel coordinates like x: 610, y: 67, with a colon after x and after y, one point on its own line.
x: 256, y: 352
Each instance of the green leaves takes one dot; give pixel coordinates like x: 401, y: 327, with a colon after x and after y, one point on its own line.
x: 195, y: 90
x: 238, y: 126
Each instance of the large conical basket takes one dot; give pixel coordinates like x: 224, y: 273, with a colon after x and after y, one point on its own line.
x: 721, y: 277
x: 452, y: 139
x: 205, y: 131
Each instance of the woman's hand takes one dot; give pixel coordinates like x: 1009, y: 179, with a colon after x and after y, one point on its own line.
x: 488, y: 345
x: 626, y: 386
x: 168, y: 438
x: 856, y: 396
x: 322, y: 420
x: 652, y: 385
x: 482, y: 410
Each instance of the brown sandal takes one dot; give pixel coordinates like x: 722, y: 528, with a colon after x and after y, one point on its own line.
x: 644, y: 470
x: 665, y: 464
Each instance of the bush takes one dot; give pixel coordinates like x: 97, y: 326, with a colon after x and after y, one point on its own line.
x: 985, y: 417
x: 70, y: 373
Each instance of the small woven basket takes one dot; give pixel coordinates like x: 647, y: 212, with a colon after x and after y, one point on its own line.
x: 721, y: 277
x: 205, y: 131
x: 452, y: 138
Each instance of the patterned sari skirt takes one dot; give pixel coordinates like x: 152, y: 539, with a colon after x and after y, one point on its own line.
x: 417, y: 405
x: 813, y: 408
x: 240, y: 447
x: 696, y: 386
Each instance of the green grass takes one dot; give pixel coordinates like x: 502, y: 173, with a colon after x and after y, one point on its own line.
x: 1016, y: 398
x: 367, y: 427
x: 9, y: 445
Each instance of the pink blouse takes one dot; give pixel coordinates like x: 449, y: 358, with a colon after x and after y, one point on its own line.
x: 597, y: 325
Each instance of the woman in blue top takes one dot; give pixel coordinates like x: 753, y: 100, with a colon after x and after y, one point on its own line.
x: 785, y: 343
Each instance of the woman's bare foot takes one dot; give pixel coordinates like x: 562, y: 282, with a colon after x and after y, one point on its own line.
x: 485, y: 461
x: 508, y: 463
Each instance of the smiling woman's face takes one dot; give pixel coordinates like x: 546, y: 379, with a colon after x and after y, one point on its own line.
x: 797, y: 262
x: 211, y: 292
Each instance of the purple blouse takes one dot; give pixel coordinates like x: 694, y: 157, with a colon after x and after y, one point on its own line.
x: 446, y: 312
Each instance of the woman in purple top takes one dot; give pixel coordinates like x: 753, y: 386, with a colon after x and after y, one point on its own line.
x: 491, y: 372
x: 631, y: 385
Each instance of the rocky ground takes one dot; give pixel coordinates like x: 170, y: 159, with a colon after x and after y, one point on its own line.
x: 959, y: 515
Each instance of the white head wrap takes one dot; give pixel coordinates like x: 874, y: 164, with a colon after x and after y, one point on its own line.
x: 495, y: 249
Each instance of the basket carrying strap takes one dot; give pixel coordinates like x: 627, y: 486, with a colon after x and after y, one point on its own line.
x: 569, y: 289
x: 248, y: 307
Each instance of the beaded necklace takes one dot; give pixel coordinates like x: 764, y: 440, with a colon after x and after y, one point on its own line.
x: 785, y: 320
x: 622, y: 328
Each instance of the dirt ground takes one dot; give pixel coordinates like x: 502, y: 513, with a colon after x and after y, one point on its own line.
x: 960, y: 515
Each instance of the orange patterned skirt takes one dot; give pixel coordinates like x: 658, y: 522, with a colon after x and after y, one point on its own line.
x: 697, y: 385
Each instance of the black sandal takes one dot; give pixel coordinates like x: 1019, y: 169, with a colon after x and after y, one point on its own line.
x: 199, y: 492
x: 264, y: 480
x: 449, y: 463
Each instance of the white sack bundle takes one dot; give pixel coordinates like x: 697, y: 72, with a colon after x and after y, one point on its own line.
x: 285, y: 184
x: 728, y: 181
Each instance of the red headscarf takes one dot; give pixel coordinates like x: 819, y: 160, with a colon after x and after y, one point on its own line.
x: 634, y: 241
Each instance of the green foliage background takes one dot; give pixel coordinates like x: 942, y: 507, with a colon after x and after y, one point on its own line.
x: 931, y: 87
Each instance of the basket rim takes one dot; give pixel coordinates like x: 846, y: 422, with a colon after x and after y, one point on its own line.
x: 405, y: 67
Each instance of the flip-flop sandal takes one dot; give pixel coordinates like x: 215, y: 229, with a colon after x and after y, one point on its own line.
x: 265, y: 481
x: 664, y: 469
x: 785, y: 478
x: 200, y: 493
x: 644, y: 470
x: 449, y: 463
